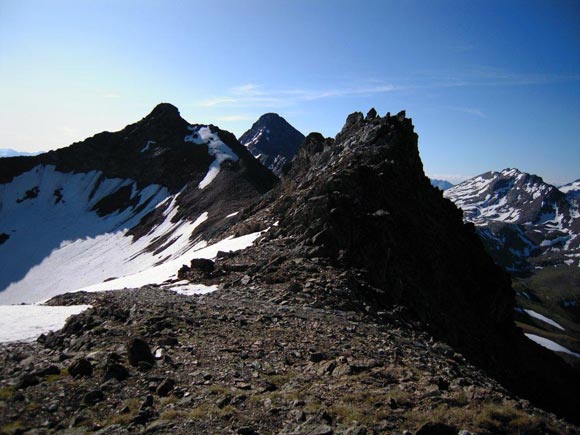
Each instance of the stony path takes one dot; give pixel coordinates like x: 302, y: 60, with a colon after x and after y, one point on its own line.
x: 237, y: 362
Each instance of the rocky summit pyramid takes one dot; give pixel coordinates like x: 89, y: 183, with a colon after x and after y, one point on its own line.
x: 364, y: 305
x: 273, y: 141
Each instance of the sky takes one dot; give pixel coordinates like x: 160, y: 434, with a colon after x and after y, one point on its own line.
x: 489, y: 84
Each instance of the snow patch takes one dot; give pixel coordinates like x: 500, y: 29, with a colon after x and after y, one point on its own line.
x: 552, y: 345
x: 189, y: 289
x: 27, y: 322
x: 167, y: 271
x: 215, y: 147
x: 146, y: 147
x: 82, y: 249
x: 544, y: 319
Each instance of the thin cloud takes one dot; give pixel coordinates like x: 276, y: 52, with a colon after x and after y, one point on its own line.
x: 468, y: 110
x: 217, y: 101
x: 111, y: 95
x: 247, y: 89
x: 251, y: 95
x: 233, y: 118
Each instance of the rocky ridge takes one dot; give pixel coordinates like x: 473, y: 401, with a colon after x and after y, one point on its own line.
x: 333, y: 322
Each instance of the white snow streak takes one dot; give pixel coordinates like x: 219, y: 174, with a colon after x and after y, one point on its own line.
x: 552, y: 345
x: 215, y: 147
x: 545, y: 319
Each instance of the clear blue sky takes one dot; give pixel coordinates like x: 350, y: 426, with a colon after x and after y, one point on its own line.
x: 489, y: 84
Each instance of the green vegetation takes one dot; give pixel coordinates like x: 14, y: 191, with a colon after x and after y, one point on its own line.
x: 10, y: 428
x: 507, y: 420
x: 547, y: 288
x: 6, y: 393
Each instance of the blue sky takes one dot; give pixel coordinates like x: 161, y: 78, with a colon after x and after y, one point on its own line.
x: 489, y: 84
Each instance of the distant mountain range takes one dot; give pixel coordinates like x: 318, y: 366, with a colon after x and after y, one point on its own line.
x: 273, y: 141
x: 441, y: 184
x: 524, y: 222
x: 7, y: 152
x: 572, y: 190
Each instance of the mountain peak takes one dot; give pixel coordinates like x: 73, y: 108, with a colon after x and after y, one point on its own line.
x: 271, y: 116
x: 273, y: 140
x: 164, y: 110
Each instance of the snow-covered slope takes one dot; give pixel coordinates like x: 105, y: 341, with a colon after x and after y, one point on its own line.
x: 524, y: 221
x: 92, y: 215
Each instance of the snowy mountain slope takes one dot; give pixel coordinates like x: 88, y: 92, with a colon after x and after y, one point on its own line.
x: 94, y: 211
x: 524, y: 221
x: 532, y: 229
x: 273, y: 141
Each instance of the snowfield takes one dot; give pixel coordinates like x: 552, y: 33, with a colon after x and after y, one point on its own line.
x: 58, y: 243
x: 168, y: 271
x: 57, y: 235
x: 27, y: 322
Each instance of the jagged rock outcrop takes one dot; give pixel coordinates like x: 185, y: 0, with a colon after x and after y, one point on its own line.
x: 362, y: 201
x: 273, y: 141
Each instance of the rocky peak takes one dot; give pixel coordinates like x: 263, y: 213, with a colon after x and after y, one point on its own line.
x: 441, y: 184
x: 164, y: 110
x: 364, y: 197
x: 273, y: 140
x: 508, y: 196
x: 362, y: 202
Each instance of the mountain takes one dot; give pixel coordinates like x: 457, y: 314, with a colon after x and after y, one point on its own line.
x: 524, y: 222
x: 572, y: 190
x: 119, y: 204
x: 532, y: 229
x: 350, y: 297
x: 7, y: 152
x: 273, y: 141
x: 441, y: 184
x: 362, y: 204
